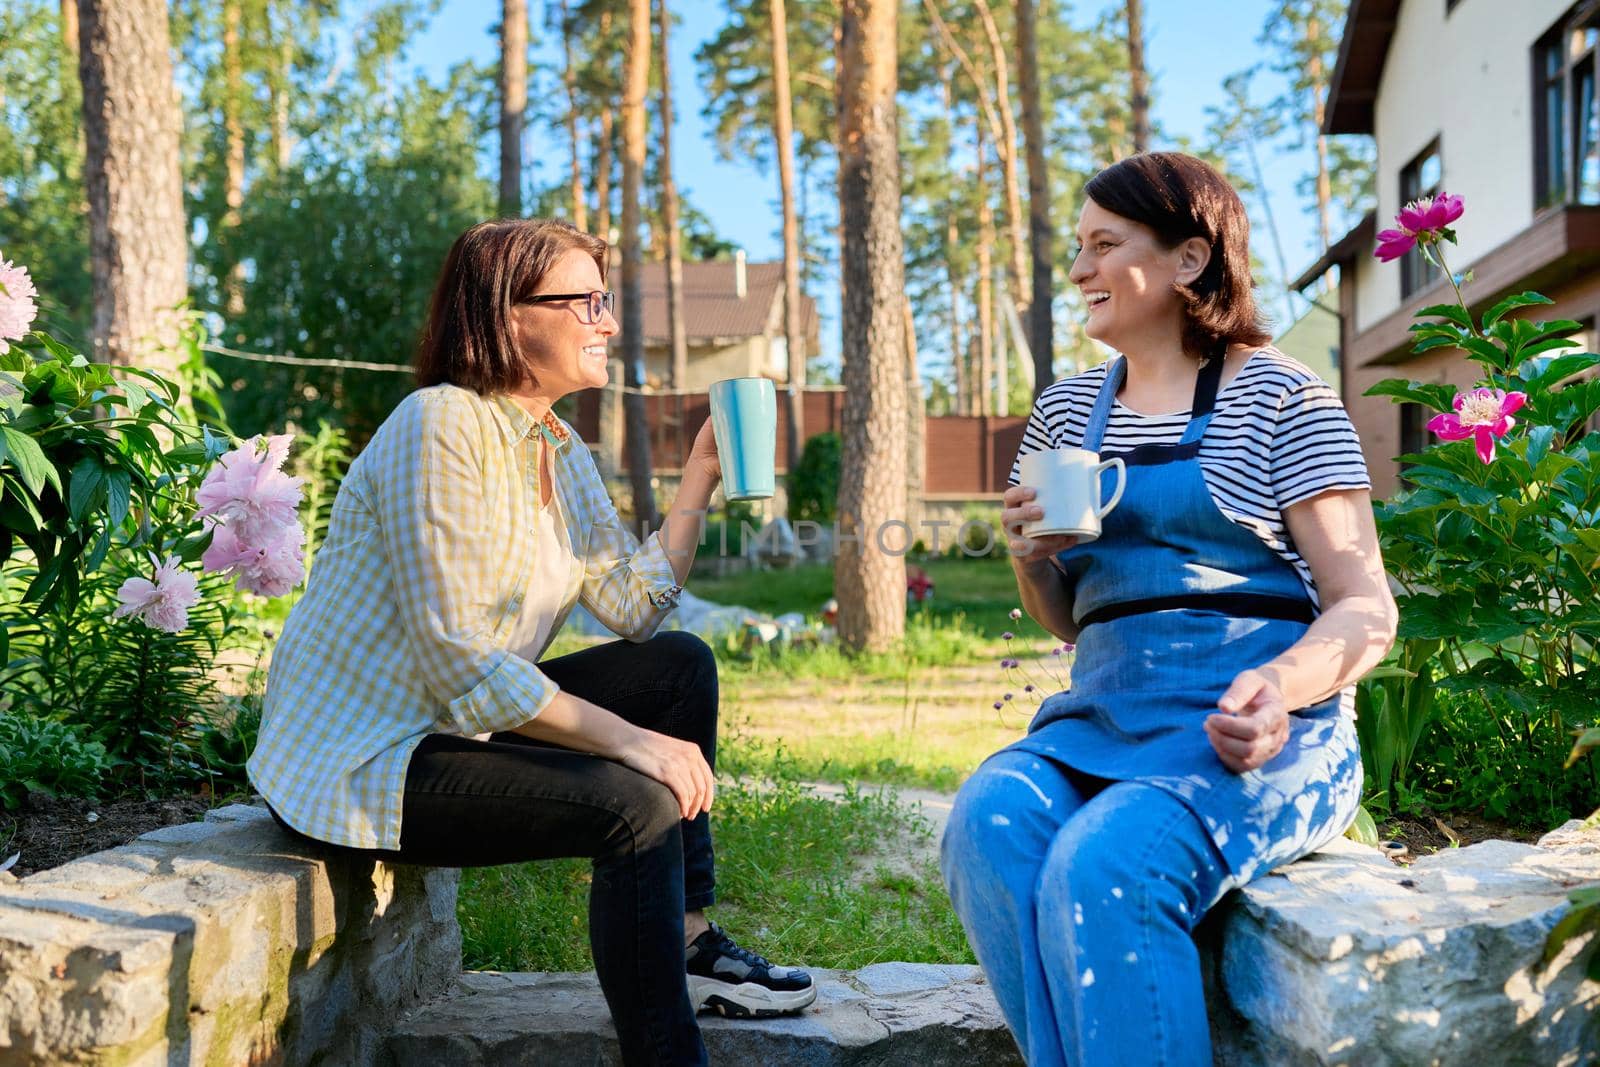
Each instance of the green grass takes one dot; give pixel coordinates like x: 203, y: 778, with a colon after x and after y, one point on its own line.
x: 801, y: 877
x: 978, y: 592
x: 791, y: 884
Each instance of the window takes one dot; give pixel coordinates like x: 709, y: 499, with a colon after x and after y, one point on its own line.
x: 1566, y: 140
x: 1420, y: 178
x: 1413, y: 436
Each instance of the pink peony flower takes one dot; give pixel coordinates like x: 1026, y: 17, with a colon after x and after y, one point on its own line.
x: 247, y: 489
x: 1392, y: 244
x: 269, y: 569
x: 163, y: 602
x: 17, y: 309
x: 1483, y: 414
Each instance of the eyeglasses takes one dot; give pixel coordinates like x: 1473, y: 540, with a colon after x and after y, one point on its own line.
x: 596, y: 302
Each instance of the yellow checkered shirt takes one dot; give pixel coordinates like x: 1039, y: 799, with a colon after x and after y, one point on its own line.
x: 404, y: 624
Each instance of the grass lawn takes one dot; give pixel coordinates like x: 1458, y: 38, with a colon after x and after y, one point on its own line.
x: 791, y: 884
x: 804, y: 878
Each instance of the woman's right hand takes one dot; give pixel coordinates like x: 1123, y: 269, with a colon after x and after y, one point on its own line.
x: 678, y: 765
x: 1019, y: 509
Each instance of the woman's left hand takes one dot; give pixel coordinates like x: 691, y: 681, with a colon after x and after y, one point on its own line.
x: 704, y: 451
x: 1253, y: 724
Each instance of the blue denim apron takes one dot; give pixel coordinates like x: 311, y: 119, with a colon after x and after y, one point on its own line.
x: 1173, y: 601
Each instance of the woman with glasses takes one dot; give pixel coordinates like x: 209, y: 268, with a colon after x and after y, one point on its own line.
x: 408, y: 716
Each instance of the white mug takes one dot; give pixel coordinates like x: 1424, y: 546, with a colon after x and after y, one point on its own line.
x: 1066, y: 482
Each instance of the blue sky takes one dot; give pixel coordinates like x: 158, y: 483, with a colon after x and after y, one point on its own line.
x: 1190, y: 47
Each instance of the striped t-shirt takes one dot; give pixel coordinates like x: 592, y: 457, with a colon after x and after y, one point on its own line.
x: 1279, y: 436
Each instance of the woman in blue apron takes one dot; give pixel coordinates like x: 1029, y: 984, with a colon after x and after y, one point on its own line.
x: 1233, y: 595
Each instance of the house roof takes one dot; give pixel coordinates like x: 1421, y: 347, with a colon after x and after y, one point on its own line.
x: 1363, y: 51
x: 712, y: 307
x: 1360, y: 237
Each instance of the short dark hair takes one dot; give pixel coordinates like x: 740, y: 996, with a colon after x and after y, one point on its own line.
x: 1179, y: 197
x: 468, y: 340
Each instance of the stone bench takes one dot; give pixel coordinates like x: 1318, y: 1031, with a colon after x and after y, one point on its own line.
x: 225, y: 942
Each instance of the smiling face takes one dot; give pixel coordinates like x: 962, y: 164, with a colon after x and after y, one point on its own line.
x: 564, y: 353
x: 1127, y: 277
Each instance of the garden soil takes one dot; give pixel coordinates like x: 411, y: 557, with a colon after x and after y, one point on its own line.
x: 49, y: 831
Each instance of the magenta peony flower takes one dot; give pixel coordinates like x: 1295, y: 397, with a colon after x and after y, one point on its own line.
x: 248, y: 490
x: 1392, y: 244
x: 1421, y: 220
x: 163, y: 602
x: 17, y: 309
x: 1483, y: 414
x: 1430, y: 213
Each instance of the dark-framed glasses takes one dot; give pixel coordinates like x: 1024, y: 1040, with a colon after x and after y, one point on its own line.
x: 596, y: 302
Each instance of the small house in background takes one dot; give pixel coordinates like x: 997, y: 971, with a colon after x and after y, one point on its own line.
x: 733, y: 315
x: 1313, y: 338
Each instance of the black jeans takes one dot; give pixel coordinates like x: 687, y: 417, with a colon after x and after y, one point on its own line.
x: 471, y: 804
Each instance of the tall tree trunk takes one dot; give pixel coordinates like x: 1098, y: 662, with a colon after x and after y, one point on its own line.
x: 677, y: 331
x: 1138, y: 78
x: 513, y: 102
x: 869, y: 582
x: 233, y: 172
x: 916, y: 429
x: 281, y: 89
x: 603, y: 167
x: 1041, y: 339
x: 137, y: 250
x: 982, y: 393
x: 69, y: 26
x: 1319, y: 103
x: 952, y: 239
x: 1017, y: 280
x: 569, y: 81
x: 636, y: 83
x: 793, y: 330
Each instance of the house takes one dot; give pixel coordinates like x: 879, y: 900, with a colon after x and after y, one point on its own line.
x: 1493, y: 101
x: 733, y: 315
x: 1313, y: 338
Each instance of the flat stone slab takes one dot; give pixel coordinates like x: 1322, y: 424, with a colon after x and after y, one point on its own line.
x: 889, y: 1013
x: 1346, y: 958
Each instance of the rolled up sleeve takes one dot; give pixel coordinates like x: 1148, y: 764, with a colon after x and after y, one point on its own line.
x: 445, y: 560
x: 629, y: 587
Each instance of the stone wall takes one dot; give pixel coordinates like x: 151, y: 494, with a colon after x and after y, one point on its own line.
x: 219, y: 942
x: 225, y: 942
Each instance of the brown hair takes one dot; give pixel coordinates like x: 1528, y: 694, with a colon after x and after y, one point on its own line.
x: 1179, y: 197
x: 468, y: 340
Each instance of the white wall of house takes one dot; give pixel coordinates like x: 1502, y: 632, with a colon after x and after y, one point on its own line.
x: 1465, y: 78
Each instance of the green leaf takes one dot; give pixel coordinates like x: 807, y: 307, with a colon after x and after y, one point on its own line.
x: 1429, y: 394
x: 119, y: 496
x: 194, y: 453
x: 1454, y: 312
x: 1363, y: 830
x: 1428, y: 344
x: 136, y: 394
x: 56, y: 348
x: 1486, y: 351
x: 1511, y: 303
x: 87, y: 480
x: 26, y: 455
x: 1558, y: 370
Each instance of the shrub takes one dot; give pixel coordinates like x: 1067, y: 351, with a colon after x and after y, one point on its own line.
x: 46, y: 756
x: 814, y: 483
x: 1494, y: 540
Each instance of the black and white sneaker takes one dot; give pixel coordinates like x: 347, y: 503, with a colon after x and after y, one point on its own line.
x: 736, y: 982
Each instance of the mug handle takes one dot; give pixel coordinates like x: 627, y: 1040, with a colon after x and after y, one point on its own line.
x: 1122, y: 483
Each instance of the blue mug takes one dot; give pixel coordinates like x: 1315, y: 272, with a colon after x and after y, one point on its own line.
x: 744, y: 417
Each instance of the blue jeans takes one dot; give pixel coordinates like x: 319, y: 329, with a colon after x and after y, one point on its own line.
x: 1080, y: 897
